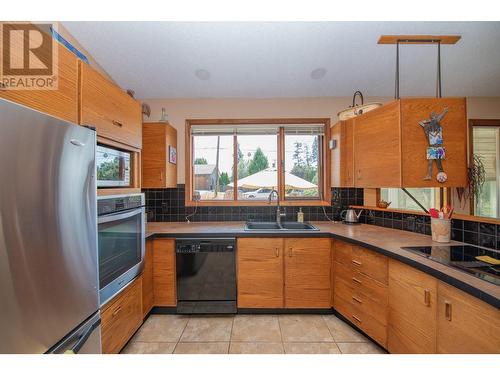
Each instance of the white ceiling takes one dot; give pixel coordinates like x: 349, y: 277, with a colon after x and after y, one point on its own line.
x: 275, y: 59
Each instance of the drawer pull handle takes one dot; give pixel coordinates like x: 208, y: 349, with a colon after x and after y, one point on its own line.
x: 290, y: 252
x: 116, y: 311
x: 277, y: 252
x: 357, y: 263
x: 447, y: 311
x: 427, y: 297
x: 117, y: 123
x: 357, y: 299
x: 356, y: 280
x: 356, y: 318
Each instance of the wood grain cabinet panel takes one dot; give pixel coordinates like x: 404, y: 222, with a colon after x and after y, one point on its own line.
x: 370, y: 263
x: 121, y: 317
x: 390, y: 145
x: 113, y: 113
x: 260, y: 272
x: 147, y: 279
x: 164, y: 277
x: 307, y: 273
x: 465, y: 324
x: 61, y: 103
x: 412, y: 310
x: 157, y: 171
x: 342, y: 155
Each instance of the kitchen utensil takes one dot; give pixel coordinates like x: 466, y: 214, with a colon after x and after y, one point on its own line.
x: 350, y: 216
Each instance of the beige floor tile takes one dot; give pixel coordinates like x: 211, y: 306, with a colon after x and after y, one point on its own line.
x: 149, y: 348
x: 161, y: 328
x: 256, y: 348
x: 359, y: 348
x: 304, y: 328
x: 202, y: 348
x: 262, y: 328
x: 311, y: 348
x: 208, y: 328
x: 341, y: 331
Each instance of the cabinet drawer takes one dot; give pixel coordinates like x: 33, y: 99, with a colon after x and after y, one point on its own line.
x: 370, y: 326
x: 121, y: 317
x: 342, y: 252
x: 369, y: 306
x: 115, y: 114
x: 376, y: 291
x: 370, y: 263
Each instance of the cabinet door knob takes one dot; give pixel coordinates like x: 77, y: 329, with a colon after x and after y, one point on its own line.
x: 427, y: 297
x: 277, y: 252
x: 290, y: 251
x: 447, y: 311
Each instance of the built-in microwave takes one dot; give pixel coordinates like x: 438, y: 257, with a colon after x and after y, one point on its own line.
x: 113, y: 167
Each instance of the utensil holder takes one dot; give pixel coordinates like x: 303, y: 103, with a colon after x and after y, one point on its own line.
x: 441, y: 229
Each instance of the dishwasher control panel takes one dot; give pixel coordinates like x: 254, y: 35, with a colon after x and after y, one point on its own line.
x: 197, y: 245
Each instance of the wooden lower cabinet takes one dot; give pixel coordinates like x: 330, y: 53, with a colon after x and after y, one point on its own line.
x: 147, y: 280
x: 412, y: 310
x: 360, y: 291
x: 164, y: 277
x: 260, y: 272
x: 465, y: 324
x: 121, y: 317
x: 307, y: 273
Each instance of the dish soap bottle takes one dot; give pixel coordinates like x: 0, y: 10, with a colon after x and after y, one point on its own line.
x: 300, y: 216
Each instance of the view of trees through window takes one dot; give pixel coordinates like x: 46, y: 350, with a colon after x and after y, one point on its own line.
x: 256, y: 165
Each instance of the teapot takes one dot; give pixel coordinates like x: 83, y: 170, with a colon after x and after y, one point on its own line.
x: 350, y: 216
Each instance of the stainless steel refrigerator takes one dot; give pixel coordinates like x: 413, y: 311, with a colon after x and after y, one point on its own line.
x: 48, y: 249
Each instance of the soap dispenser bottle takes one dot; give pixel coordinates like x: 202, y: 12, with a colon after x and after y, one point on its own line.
x: 300, y: 216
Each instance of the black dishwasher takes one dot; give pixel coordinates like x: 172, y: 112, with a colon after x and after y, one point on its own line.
x: 206, y: 275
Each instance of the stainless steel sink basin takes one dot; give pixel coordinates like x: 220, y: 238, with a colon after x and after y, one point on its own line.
x: 285, y: 226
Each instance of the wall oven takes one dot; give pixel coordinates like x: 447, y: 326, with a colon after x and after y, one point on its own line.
x: 121, y: 242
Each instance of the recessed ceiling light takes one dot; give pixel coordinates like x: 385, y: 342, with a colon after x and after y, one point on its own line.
x: 318, y: 73
x: 202, y: 74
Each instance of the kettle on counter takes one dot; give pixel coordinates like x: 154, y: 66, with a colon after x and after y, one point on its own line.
x: 350, y: 216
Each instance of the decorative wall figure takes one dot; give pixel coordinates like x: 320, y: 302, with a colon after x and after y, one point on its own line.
x: 434, y: 133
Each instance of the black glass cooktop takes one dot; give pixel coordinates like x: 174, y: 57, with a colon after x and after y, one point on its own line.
x: 463, y: 257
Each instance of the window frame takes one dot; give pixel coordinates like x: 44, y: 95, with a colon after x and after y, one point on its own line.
x: 324, y: 162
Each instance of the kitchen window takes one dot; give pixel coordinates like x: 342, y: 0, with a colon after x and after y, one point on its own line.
x: 428, y: 197
x: 239, y: 162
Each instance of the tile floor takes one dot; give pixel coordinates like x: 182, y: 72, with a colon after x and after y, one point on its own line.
x: 248, y: 334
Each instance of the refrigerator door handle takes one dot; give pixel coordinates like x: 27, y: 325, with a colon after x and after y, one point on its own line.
x: 83, y: 338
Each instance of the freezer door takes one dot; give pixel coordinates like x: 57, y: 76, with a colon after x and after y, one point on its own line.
x: 86, y: 339
x: 48, y: 231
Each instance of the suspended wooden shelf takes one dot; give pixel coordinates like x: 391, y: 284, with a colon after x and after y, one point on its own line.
x: 419, y: 39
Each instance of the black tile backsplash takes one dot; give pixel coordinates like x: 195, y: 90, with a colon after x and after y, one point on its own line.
x: 169, y: 205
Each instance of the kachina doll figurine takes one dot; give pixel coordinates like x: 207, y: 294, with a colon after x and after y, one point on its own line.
x: 434, y: 133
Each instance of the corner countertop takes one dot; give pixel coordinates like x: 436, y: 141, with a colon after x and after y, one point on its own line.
x: 383, y: 240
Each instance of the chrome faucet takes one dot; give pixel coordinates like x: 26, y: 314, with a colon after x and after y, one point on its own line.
x: 279, y: 214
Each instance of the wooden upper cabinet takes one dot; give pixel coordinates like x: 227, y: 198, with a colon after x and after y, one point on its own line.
x: 61, y: 103
x: 114, y: 114
x: 164, y: 274
x: 390, y: 146
x: 260, y: 272
x: 308, y: 273
x: 157, y: 171
x: 147, y: 279
x: 412, y: 310
x: 465, y: 324
x: 342, y: 155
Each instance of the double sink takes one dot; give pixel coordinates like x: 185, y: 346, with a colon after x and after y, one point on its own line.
x: 279, y: 227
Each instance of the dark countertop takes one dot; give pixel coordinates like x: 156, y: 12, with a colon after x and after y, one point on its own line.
x: 383, y: 240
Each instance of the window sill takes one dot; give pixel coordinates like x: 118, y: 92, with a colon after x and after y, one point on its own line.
x: 374, y: 208
x: 253, y: 203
